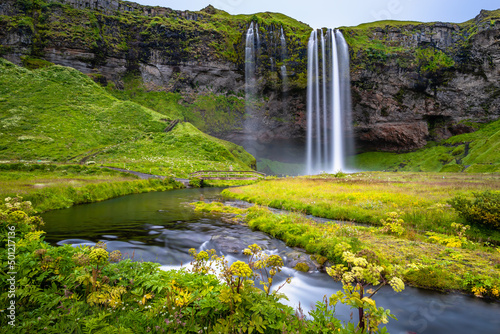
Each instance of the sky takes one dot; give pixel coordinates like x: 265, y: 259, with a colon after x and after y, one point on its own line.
x: 337, y: 13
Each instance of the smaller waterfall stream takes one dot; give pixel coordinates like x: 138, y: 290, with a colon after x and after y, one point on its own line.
x: 250, y: 64
x: 284, y: 73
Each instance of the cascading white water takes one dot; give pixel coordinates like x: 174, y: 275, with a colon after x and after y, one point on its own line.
x: 249, y: 62
x: 336, y: 130
x: 328, y: 109
x: 310, y: 107
x: 284, y: 73
x: 325, y: 124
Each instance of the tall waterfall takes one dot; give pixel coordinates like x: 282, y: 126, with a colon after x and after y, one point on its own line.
x: 329, y: 124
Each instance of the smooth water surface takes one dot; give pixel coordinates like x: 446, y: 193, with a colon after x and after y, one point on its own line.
x: 162, y: 227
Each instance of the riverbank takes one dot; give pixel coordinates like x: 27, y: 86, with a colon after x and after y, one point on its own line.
x: 414, y: 229
x: 51, y: 187
x: 420, y: 199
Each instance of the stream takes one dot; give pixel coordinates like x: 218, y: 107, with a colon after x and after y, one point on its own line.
x: 161, y: 227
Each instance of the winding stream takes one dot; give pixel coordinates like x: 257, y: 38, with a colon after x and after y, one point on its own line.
x: 162, y: 227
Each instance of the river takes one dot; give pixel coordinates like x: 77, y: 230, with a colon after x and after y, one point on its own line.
x: 162, y: 227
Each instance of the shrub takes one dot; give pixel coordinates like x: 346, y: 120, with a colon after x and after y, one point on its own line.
x: 196, y: 183
x: 483, y: 209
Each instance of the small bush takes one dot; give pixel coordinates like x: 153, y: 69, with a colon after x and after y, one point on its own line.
x: 484, y: 209
x: 196, y: 183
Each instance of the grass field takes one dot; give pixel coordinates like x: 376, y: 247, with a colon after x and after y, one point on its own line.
x: 408, y: 223
x: 51, y: 187
x: 469, y: 267
x: 419, y: 198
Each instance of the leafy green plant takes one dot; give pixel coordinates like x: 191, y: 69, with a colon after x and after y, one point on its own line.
x: 196, y: 182
x: 393, y: 224
x: 483, y: 209
x: 431, y: 61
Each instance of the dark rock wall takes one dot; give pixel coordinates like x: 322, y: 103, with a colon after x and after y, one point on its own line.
x: 399, y: 107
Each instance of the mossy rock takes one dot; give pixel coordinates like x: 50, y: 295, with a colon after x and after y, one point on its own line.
x: 302, y: 266
x: 319, y: 259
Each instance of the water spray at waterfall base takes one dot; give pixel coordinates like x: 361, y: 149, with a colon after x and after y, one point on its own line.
x: 329, y: 125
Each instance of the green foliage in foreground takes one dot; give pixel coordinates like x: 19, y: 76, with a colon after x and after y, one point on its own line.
x: 477, y: 152
x: 59, y: 114
x: 86, y: 289
x: 51, y: 187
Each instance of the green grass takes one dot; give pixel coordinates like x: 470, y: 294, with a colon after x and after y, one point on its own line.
x: 451, y: 155
x: 58, y: 114
x: 51, y: 187
x: 419, y: 198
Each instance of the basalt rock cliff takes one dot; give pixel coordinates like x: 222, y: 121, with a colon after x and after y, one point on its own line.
x: 411, y: 82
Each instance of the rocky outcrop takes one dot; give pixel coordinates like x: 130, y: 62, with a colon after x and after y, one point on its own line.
x: 410, y: 83
x: 403, y: 99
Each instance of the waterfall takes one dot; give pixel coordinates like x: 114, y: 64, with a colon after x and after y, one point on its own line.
x: 284, y: 53
x: 284, y: 73
x: 328, y: 137
x: 250, y: 67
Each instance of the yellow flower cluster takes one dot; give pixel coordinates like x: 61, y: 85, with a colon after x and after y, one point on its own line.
x: 478, y: 291
x: 115, y: 256
x: 202, y: 256
x: 275, y: 261
x: 495, y: 292
x: 17, y: 216
x: 241, y: 269
x: 354, y: 260
x: 98, y: 255
x: 397, y: 284
x: 252, y: 249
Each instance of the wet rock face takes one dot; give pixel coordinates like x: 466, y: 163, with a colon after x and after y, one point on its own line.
x: 394, y: 136
x: 399, y: 103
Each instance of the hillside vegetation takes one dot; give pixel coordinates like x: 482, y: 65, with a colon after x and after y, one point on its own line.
x: 477, y: 152
x: 58, y: 114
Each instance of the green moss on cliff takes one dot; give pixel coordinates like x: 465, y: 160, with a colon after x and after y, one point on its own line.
x: 209, y: 112
x: 209, y: 35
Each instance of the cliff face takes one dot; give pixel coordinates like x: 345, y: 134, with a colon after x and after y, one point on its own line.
x: 411, y: 82
x: 426, y: 81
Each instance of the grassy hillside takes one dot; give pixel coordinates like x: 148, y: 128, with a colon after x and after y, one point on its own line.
x: 477, y: 152
x: 59, y: 114
x: 209, y: 112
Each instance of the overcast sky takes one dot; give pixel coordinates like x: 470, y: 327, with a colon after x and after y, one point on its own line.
x: 337, y: 13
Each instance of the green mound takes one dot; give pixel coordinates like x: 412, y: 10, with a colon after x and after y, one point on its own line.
x: 477, y: 152
x: 58, y: 114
